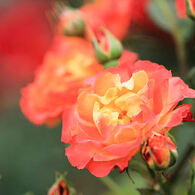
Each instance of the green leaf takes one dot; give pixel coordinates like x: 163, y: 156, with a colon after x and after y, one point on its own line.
x: 111, y: 63
x: 185, y: 25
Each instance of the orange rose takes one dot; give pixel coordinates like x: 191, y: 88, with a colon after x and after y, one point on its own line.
x: 117, y: 109
x: 160, y: 152
x: 56, y: 83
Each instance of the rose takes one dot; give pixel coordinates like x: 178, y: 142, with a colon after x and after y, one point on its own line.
x: 112, y: 14
x: 159, y: 151
x: 68, y: 62
x: 117, y: 110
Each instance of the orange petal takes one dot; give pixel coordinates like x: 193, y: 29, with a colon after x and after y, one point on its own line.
x: 85, y: 105
x: 106, y: 81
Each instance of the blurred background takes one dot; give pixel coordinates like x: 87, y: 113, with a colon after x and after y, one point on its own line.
x: 30, y: 155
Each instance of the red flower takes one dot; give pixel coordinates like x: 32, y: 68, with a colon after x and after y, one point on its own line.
x: 112, y: 14
x: 57, y: 81
x: 25, y: 35
x: 117, y: 109
x: 181, y: 8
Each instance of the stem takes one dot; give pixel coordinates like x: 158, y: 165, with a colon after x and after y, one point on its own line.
x: 177, y: 35
x: 127, y: 171
x: 181, y: 164
x: 114, y: 187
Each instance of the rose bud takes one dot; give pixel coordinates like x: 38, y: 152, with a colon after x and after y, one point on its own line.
x: 106, y: 46
x: 190, y: 8
x: 60, y: 187
x: 71, y: 23
x: 159, y: 151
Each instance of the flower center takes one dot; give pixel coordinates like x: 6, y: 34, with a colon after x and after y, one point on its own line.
x: 121, y: 102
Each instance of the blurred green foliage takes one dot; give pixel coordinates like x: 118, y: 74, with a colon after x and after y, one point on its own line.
x: 30, y: 155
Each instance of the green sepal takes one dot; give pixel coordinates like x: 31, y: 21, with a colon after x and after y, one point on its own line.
x: 114, y: 51
x: 62, y: 177
x: 99, y: 54
x: 75, y: 28
x: 171, y: 137
x: 151, y: 171
x: 115, y: 46
x: 109, y: 64
x: 173, y: 159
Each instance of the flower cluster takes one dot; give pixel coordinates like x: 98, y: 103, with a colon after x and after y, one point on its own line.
x: 110, y: 102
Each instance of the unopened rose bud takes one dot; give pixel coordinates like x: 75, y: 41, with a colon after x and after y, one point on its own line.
x: 60, y: 187
x: 106, y: 46
x: 71, y: 23
x: 160, y: 152
x: 190, y: 8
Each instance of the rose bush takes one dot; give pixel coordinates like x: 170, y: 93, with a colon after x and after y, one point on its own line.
x: 117, y: 110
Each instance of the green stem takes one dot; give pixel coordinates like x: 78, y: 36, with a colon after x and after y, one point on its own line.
x: 177, y: 35
x: 114, y: 187
x: 188, y: 153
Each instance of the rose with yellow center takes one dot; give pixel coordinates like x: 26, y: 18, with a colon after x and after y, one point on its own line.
x: 117, y: 110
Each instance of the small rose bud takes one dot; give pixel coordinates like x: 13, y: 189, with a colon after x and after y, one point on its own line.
x: 190, y: 8
x: 71, y: 23
x: 106, y: 46
x: 160, y: 152
x: 59, y: 187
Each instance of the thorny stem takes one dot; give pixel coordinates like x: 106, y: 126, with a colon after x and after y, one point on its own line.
x: 177, y: 35
x: 114, y: 187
